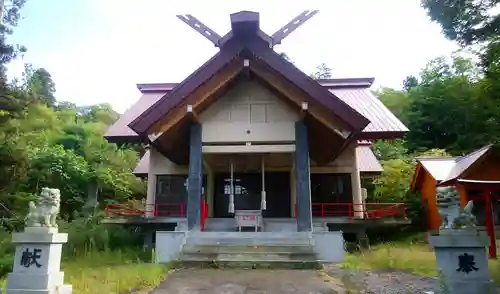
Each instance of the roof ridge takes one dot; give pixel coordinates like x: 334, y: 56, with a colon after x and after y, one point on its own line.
x: 474, y: 152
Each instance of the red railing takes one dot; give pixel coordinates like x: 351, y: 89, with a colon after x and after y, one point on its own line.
x: 369, y: 210
x: 204, y: 214
x: 160, y: 209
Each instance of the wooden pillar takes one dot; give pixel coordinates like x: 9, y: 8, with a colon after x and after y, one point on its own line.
x: 195, y: 178
x: 357, y: 198
x: 302, y: 178
x: 151, y: 190
x: 490, y: 224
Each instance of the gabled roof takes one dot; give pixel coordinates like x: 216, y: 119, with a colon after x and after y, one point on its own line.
x: 437, y: 167
x: 246, y: 45
x: 259, y: 50
x: 353, y: 91
x: 383, y: 123
x: 463, y: 163
x: 448, y: 169
x: 119, y: 132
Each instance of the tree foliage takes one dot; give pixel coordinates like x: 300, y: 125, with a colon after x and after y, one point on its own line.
x: 44, y: 142
x: 466, y: 21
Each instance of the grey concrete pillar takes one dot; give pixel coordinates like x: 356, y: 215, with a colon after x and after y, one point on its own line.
x: 195, y: 178
x: 302, y: 178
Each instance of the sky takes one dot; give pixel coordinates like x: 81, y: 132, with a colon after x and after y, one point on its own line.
x: 98, y: 50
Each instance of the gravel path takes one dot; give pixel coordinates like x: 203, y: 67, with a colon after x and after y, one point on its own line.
x: 240, y: 281
x: 331, y: 280
x: 378, y: 282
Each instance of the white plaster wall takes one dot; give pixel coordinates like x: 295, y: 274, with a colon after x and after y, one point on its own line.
x: 160, y: 165
x: 248, y: 113
x: 344, y: 163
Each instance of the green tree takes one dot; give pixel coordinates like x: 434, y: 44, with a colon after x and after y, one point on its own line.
x: 322, y: 72
x: 445, y: 111
x: 465, y: 21
x: 39, y: 84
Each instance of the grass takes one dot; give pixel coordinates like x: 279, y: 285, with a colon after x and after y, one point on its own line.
x: 416, y: 258
x: 110, y: 272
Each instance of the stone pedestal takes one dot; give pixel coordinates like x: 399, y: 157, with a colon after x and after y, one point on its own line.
x: 461, y: 256
x: 37, y: 262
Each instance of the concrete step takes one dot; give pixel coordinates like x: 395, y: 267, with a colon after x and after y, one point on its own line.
x: 250, y: 238
x: 253, y: 264
x: 221, y: 249
x: 248, y: 257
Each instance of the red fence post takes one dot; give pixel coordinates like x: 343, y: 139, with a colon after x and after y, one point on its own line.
x: 202, y: 215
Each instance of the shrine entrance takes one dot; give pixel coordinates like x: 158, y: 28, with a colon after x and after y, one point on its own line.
x: 247, y: 193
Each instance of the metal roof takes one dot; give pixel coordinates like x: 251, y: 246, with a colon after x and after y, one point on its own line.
x: 438, y: 167
x: 382, y: 120
x: 357, y: 96
x: 464, y: 162
x: 120, y: 128
x: 445, y: 169
x: 367, y: 161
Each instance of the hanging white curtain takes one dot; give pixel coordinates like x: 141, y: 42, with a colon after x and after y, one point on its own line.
x: 263, y: 205
x: 231, y: 189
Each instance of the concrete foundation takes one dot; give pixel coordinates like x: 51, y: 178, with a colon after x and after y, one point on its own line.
x: 37, y: 263
x: 327, y: 247
x: 461, y: 256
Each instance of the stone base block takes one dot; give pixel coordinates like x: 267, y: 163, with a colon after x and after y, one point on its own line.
x: 468, y: 287
x: 64, y: 289
x: 36, y: 281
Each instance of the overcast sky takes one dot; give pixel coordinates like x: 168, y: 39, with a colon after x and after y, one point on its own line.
x: 98, y: 50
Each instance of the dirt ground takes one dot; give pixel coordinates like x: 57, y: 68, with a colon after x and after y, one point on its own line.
x: 331, y: 280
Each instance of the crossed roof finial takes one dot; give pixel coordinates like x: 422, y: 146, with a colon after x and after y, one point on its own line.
x: 274, y: 39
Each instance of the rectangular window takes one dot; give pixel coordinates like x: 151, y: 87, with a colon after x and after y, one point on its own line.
x: 171, y: 194
x: 331, y: 194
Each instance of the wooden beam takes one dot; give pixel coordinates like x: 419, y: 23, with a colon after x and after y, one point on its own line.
x: 294, y: 24
x: 201, y: 28
x: 198, y: 96
x: 289, y: 90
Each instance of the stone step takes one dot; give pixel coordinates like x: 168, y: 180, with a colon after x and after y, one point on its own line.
x: 254, y: 264
x: 250, y: 238
x: 245, y: 248
x: 248, y: 257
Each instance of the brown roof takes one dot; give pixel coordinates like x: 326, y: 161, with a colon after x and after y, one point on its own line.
x: 383, y: 123
x: 119, y: 132
x: 246, y: 41
x: 445, y: 169
x: 463, y: 163
x: 367, y: 162
x: 354, y: 91
x: 142, y: 167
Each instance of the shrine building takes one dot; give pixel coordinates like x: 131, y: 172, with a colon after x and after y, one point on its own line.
x: 250, y: 142
x: 476, y: 176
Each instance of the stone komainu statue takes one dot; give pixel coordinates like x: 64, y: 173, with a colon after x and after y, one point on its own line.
x: 44, y: 212
x: 454, y: 217
x: 448, y: 202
